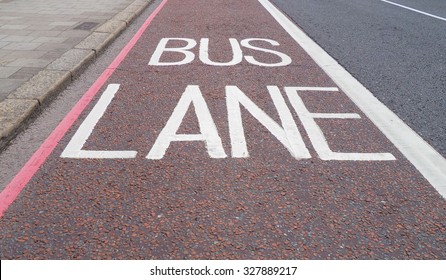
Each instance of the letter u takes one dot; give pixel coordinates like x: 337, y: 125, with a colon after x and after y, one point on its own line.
x: 237, y: 55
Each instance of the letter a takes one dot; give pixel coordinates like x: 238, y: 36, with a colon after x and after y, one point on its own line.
x: 208, y: 130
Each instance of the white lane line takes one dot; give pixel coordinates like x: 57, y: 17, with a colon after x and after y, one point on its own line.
x: 414, y: 10
x: 425, y: 158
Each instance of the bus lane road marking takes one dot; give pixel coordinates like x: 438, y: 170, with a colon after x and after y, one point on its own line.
x: 202, y: 140
x: 429, y: 162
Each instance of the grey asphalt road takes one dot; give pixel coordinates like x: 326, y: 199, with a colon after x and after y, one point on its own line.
x: 398, y: 54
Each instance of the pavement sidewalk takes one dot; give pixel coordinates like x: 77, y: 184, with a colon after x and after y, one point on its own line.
x: 45, y: 44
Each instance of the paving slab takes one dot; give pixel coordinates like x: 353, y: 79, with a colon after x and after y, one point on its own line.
x: 6, y: 72
x: 43, y: 36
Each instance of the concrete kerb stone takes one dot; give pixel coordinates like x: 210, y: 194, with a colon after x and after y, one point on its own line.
x: 131, y: 12
x: 97, y: 41
x: 103, y: 35
x: 24, y: 103
x: 42, y: 86
x: 73, y: 60
x: 112, y: 26
x: 125, y: 16
x: 13, y: 115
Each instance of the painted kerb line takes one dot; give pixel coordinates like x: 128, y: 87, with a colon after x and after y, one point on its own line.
x: 425, y: 158
x: 414, y: 10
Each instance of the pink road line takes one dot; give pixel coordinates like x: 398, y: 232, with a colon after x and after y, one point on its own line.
x: 13, y: 189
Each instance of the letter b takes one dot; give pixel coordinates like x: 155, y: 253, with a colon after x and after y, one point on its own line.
x: 162, y: 47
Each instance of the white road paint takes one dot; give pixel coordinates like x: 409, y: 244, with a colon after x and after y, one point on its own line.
x: 428, y: 161
x: 237, y: 54
x: 208, y: 130
x: 74, y: 147
x: 288, y: 135
x: 317, y: 136
x: 284, y: 59
x: 162, y: 47
x: 414, y: 10
x: 203, y: 53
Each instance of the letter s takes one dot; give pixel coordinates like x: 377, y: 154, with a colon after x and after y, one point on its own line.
x: 285, y: 59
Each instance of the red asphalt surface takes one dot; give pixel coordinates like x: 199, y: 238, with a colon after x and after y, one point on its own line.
x: 188, y: 205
